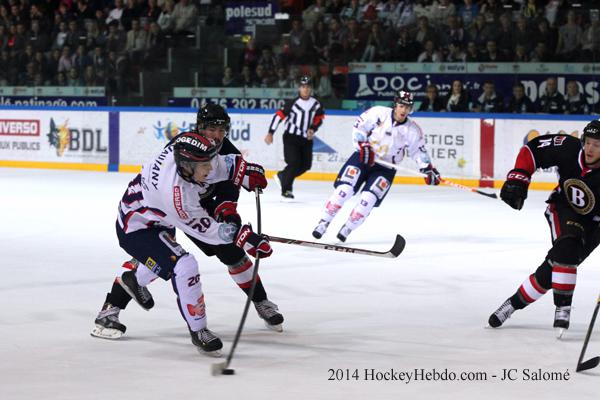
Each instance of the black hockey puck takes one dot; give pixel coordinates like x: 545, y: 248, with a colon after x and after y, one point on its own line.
x: 228, y: 371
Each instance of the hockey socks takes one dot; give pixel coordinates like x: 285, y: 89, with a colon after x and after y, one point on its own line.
x: 241, y: 273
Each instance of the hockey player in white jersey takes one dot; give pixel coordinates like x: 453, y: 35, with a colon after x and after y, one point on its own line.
x: 382, y: 133
x: 164, y: 196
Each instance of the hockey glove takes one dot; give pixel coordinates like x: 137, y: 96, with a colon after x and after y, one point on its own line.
x: 248, y: 175
x: 514, y: 190
x: 366, y: 154
x: 227, y: 212
x: 256, y: 245
x: 432, y: 177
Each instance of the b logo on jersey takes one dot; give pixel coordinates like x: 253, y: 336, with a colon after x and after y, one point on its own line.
x: 580, y: 196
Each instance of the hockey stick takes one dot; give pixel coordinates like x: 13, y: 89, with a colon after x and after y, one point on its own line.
x: 592, y: 362
x: 444, y: 181
x: 222, y: 368
x: 394, y: 252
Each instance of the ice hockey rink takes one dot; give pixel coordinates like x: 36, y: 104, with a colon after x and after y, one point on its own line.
x: 348, y: 317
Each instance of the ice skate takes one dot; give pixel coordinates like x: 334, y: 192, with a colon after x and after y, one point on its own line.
x: 269, y: 312
x: 501, y: 314
x: 320, y: 229
x: 287, y: 195
x: 107, y: 323
x: 561, y: 320
x: 207, y: 342
x: 139, y: 293
x: 343, y: 233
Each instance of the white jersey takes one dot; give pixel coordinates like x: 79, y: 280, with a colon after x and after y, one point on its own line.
x: 159, y: 196
x: 389, y: 139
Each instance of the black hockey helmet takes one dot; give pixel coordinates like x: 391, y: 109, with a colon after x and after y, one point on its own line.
x: 591, y: 130
x: 190, y: 148
x: 212, y: 115
x: 305, y: 80
x: 404, y: 97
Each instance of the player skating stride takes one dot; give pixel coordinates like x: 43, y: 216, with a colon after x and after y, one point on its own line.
x: 573, y: 213
x: 379, y: 133
x: 165, y: 195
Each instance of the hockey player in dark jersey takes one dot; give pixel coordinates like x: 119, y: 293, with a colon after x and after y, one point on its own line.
x: 573, y: 213
x: 221, y: 203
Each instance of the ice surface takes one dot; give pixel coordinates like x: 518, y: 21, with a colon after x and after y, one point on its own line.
x: 465, y: 255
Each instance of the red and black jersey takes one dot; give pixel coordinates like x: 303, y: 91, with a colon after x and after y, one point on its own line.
x: 578, y: 186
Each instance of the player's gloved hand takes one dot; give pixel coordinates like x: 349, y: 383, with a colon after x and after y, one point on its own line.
x: 256, y: 245
x: 514, y: 190
x: 432, y: 177
x: 248, y: 175
x: 227, y: 212
x: 366, y: 155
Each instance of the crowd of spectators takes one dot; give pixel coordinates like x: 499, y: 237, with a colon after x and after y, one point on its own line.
x: 86, y: 42
x: 100, y: 42
x: 550, y: 101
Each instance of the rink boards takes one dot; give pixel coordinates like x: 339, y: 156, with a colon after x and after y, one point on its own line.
x: 473, y: 149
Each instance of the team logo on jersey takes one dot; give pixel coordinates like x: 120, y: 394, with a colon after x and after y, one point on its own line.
x: 152, y: 265
x: 178, y: 203
x: 580, y: 196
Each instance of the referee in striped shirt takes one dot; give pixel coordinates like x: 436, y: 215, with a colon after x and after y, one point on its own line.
x: 303, y: 116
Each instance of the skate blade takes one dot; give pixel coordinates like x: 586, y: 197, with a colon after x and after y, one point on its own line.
x: 276, y: 328
x: 560, y: 332
x: 130, y: 293
x: 106, y: 333
x: 214, y: 353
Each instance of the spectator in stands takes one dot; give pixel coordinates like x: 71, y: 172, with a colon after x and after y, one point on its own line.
x: 73, y: 35
x: 370, y: 11
x: 99, y: 60
x: 480, y: 31
x: 38, y: 39
x: 430, y: 53
x: 433, y: 102
x: 406, y: 49
x: 60, y: 36
x: 520, y: 54
x: 376, y: 48
x: 228, y: 79
x: 569, y: 39
x: 74, y: 79
x: 519, y: 102
x: 491, y: 10
x: 83, y: 11
x: 335, y: 7
x: 80, y: 59
x: 300, y: 43
x: 452, y: 31
x: 93, y: 35
x: 250, y: 54
x: 424, y: 32
x: 130, y: 12
x: 551, y: 101
x: 246, y: 78
x: 313, y: 13
x: 324, y: 89
x: 61, y: 79
x: 136, y: 42
x: 531, y: 9
x: 165, y: 19
x: 261, y: 77
x: 402, y: 14
x: 505, y: 39
x: 422, y: 8
x: 455, y: 53
x: 185, y: 15
x: 53, y: 61
x: 544, y: 33
x: 115, y: 13
x: 320, y: 40
x: 337, y: 35
x: 491, y: 53
x: 14, y: 68
x: 555, y: 11
x: 268, y: 61
x: 352, y: 10
x: 115, y: 39
x: 282, y: 80
x: 522, y: 35
x: 65, y: 62
x: 89, y: 77
x: 28, y: 77
x: 151, y: 12
x: 354, y: 41
x: 3, y: 38
x: 457, y: 99
x: 540, y: 53
x: 472, y: 54
x: 26, y: 56
x: 489, y: 101
x: 590, y: 41
x: 42, y: 65
x: 468, y: 11
x: 18, y: 40
x: 155, y: 45
x: 5, y: 16
x: 441, y: 10
x: 576, y: 102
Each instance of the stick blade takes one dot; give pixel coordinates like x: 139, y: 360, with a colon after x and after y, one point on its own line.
x: 589, y: 364
x: 217, y: 369
x: 490, y: 195
x: 398, y: 246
